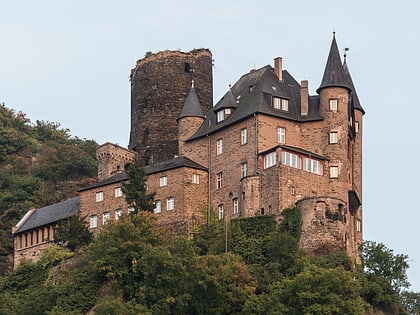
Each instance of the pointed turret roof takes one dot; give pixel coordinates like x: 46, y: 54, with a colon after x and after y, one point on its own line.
x: 334, y: 74
x: 356, y: 102
x: 228, y: 101
x: 192, y: 106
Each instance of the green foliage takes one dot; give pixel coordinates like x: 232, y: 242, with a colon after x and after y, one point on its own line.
x: 411, y: 301
x: 52, y: 255
x: 135, y: 190
x: 210, y: 236
x: 292, y: 222
x: 72, y: 233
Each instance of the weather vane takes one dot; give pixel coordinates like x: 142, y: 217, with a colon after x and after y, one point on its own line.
x: 346, y: 49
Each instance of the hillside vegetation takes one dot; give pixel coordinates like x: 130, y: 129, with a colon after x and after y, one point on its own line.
x: 40, y: 164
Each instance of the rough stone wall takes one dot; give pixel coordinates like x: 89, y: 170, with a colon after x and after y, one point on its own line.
x: 159, y: 86
x: 187, y: 126
x: 112, y: 159
x: 324, y: 225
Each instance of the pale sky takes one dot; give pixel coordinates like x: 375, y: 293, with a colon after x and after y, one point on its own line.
x: 70, y: 61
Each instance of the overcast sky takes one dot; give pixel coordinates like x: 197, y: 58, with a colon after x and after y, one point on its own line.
x: 70, y: 61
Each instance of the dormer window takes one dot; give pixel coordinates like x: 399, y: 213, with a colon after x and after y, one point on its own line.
x: 220, y: 115
x: 280, y: 103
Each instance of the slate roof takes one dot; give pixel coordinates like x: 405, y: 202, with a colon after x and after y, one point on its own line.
x: 192, y: 106
x: 334, y: 74
x: 179, y: 161
x: 253, y: 94
x: 356, y: 102
x: 50, y: 214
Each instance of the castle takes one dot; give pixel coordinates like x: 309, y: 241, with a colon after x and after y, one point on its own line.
x: 265, y: 145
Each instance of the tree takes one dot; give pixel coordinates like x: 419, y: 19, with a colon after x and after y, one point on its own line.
x: 135, y: 190
x: 72, y: 233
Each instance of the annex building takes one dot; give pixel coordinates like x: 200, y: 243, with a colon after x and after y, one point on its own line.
x: 266, y: 145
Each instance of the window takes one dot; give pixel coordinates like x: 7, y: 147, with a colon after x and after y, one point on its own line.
x: 219, y: 146
x: 333, y: 137
x: 358, y: 226
x: 244, y: 136
x: 118, y: 213
x: 196, y: 179
x: 158, y: 207
x: 228, y: 111
x: 334, y: 171
x: 131, y: 209
x: 106, y: 217
x: 118, y: 192
x: 244, y: 170
x: 170, y: 203
x: 235, y: 206
x: 93, y: 221
x: 164, y: 181
x: 313, y: 166
x: 270, y: 159
x: 280, y: 103
x: 220, y: 115
x: 99, y: 196
x: 221, y: 211
x: 356, y: 126
x: 333, y: 105
x: 281, y: 135
x: 219, y: 180
x: 284, y: 104
x: 291, y: 159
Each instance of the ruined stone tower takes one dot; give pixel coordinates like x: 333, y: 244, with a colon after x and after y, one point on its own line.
x: 160, y: 84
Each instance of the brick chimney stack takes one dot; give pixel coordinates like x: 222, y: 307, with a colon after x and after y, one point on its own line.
x: 304, y: 98
x: 278, y: 67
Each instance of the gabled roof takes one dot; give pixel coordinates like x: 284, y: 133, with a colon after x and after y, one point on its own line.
x: 356, y: 102
x: 228, y: 101
x: 179, y: 161
x: 192, y: 106
x: 50, y: 214
x: 253, y: 94
x: 334, y: 74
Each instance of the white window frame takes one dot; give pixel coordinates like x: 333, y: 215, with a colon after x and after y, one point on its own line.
x: 244, y: 136
x: 228, y: 111
x: 270, y: 159
x: 276, y: 102
x: 356, y: 126
x: 221, y: 211
x: 333, y: 137
x: 220, y: 115
x: 235, y: 206
x: 93, y: 221
x: 158, y: 206
x: 219, y: 180
x: 334, y: 171
x: 170, y: 203
x: 313, y: 166
x: 358, y: 225
x: 281, y: 134
x: 163, y: 181
x: 291, y: 159
x: 106, y: 216
x: 99, y: 196
x: 285, y: 104
x: 219, y: 146
x: 333, y: 105
x: 118, y: 192
x: 118, y: 213
x: 196, y: 178
x: 244, y: 170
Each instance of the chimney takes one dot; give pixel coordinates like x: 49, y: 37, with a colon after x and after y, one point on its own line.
x: 278, y: 68
x: 304, y: 98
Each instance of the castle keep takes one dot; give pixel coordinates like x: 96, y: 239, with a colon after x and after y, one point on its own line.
x: 265, y: 145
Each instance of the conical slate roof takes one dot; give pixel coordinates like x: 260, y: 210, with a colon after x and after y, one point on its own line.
x: 356, y: 102
x: 334, y: 74
x: 192, y: 106
x: 228, y: 101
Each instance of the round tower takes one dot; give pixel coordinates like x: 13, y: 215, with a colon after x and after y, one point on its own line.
x: 160, y: 84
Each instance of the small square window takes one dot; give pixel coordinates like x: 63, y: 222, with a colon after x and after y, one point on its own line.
x: 170, y: 203
x: 158, y: 206
x: 219, y: 146
x: 106, y: 217
x: 333, y: 105
x: 333, y: 137
x: 118, y: 213
x: 99, y: 196
x: 118, y: 192
x: 164, y: 181
x: 333, y: 171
